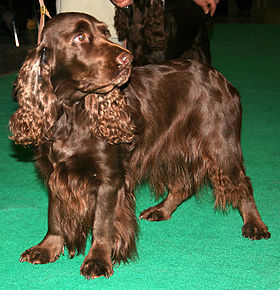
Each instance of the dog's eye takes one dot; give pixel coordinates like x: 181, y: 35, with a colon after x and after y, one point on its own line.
x: 107, y: 33
x: 83, y: 37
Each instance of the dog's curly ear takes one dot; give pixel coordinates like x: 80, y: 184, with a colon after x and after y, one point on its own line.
x: 154, y: 32
x: 32, y: 122
x: 109, y: 117
x: 121, y: 23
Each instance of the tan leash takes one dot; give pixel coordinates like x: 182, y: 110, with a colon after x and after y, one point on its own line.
x: 43, y: 11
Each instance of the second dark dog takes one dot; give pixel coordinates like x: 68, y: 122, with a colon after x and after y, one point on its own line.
x: 157, y: 30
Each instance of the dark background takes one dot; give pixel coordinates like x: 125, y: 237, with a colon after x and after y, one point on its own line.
x: 26, y: 16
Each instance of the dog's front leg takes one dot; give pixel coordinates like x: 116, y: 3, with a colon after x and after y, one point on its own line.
x: 50, y: 248
x: 98, y: 261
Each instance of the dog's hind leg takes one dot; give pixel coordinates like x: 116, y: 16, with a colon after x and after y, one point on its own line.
x: 253, y: 228
x: 232, y: 186
x: 188, y: 179
x: 163, y: 211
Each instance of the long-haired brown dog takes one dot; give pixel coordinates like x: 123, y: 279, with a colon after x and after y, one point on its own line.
x: 98, y: 129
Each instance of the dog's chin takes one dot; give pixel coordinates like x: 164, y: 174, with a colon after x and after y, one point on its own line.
x: 120, y: 80
x: 124, y: 76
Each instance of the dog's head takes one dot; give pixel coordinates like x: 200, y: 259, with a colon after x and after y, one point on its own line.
x: 83, y: 54
x: 73, y: 59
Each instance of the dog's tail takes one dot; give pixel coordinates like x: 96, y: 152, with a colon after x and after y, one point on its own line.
x: 200, y: 49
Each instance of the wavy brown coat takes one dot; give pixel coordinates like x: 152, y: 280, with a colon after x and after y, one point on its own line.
x: 98, y: 130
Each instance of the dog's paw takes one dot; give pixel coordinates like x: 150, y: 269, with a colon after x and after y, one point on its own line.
x: 154, y: 215
x: 255, y: 232
x: 39, y: 255
x: 92, y: 269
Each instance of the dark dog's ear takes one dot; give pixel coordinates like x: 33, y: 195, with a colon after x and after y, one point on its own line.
x: 154, y: 32
x: 109, y: 117
x: 121, y: 23
x: 32, y: 122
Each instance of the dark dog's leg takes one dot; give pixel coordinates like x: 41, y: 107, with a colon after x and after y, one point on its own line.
x: 163, y: 210
x: 125, y: 225
x: 98, y: 261
x: 50, y: 248
x: 253, y: 228
x: 232, y: 186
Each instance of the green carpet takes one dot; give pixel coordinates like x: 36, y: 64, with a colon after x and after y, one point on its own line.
x: 198, y: 248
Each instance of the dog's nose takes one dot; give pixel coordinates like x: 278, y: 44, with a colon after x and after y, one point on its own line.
x: 124, y: 58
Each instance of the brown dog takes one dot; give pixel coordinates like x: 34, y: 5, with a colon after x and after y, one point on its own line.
x: 98, y: 130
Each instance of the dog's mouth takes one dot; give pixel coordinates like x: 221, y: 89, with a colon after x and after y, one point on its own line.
x: 121, y: 78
